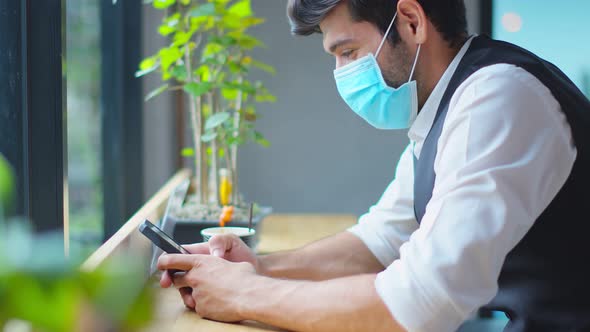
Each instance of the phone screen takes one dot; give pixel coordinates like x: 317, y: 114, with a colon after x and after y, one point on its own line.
x: 161, y: 239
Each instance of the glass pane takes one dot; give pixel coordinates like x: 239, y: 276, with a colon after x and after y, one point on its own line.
x: 537, y: 27
x: 84, y: 123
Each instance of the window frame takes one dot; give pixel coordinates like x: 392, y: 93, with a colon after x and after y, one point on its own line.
x: 33, y: 112
x: 122, y: 112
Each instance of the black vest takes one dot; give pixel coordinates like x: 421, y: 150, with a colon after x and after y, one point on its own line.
x: 544, y: 284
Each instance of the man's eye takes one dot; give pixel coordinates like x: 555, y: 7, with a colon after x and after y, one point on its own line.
x: 347, y: 53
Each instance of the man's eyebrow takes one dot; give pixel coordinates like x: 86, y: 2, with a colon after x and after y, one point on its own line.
x: 338, y: 44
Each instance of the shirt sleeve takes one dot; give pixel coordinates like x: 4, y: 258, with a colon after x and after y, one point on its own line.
x: 505, y: 151
x: 391, y: 221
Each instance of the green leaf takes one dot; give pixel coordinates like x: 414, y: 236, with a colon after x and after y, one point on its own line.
x: 249, y: 42
x: 156, y: 92
x: 165, y: 30
x: 251, y: 21
x: 169, y: 24
x: 263, y: 95
x: 230, y: 22
x: 245, y: 40
x: 188, y: 152
x: 141, y: 73
x: 259, y: 138
x: 212, y: 49
x: 169, y: 56
x: 179, y: 72
x: 198, y: 89
x: 216, y: 120
x: 163, y: 4
x: 172, y: 20
x: 263, y: 66
x: 266, y: 98
x: 204, y: 73
x: 245, y: 87
x: 148, y: 63
x: 229, y: 94
x: 231, y: 140
x: 181, y: 38
x: 249, y: 114
x: 242, y: 8
x: 236, y: 68
x: 214, y: 60
x: 185, y: 2
x: 147, y: 66
x: 203, y: 10
x: 208, y: 137
x: 224, y: 40
x: 6, y: 185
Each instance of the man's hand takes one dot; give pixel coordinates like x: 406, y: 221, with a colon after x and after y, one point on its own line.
x: 232, y: 292
x: 227, y: 246
x: 230, y: 247
x: 216, y: 284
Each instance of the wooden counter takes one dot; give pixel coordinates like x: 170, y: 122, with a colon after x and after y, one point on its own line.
x: 277, y: 232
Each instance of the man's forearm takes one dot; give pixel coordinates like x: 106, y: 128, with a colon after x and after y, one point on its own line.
x: 344, y: 304
x: 337, y: 256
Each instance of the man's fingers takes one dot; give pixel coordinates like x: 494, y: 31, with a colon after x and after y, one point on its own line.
x: 165, y: 280
x: 187, y: 297
x: 219, y: 244
x: 179, y: 281
x: 198, y: 248
x: 177, y: 262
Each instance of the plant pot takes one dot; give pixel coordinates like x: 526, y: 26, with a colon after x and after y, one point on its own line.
x: 187, y: 230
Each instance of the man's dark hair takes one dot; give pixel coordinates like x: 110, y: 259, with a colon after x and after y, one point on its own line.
x: 448, y: 16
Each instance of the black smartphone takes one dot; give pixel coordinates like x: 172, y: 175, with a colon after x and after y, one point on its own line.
x: 161, y: 239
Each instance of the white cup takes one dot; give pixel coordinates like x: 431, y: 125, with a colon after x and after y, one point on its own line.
x: 247, y: 235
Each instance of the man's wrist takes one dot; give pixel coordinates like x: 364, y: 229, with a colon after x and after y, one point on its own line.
x: 262, y: 265
x: 252, y: 295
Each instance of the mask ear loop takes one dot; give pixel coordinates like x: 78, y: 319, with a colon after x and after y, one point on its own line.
x: 415, y: 62
x: 385, y: 36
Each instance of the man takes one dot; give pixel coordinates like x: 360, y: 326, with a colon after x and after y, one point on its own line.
x: 487, y: 204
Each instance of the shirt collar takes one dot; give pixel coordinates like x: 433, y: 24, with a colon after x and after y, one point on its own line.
x: 425, y: 118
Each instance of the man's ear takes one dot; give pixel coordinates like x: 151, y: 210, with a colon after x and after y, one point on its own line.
x: 412, y: 22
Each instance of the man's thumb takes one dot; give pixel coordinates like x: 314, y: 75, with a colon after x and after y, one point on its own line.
x: 217, y: 252
x: 218, y: 245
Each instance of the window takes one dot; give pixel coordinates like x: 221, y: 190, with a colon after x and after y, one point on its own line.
x: 84, y: 122
x: 558, y: 39
x: 81, y: 160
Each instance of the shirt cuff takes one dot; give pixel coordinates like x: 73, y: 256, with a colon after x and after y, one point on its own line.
x: 417, y: 306
x: 378, y: 246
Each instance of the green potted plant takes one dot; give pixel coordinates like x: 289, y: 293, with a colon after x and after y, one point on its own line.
x: 209, y: 59
x: 43, y: 289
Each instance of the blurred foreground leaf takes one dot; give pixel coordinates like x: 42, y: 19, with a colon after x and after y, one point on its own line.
x: 6, y: 186
x: 40, y: 286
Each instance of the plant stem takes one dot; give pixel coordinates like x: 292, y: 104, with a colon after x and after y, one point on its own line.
x: 195, y: 112
x: 234, y: 148
x: 214, y: 102
x: 204, y: 169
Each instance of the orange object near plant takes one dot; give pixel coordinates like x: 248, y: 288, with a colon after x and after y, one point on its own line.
x: 227, y: 214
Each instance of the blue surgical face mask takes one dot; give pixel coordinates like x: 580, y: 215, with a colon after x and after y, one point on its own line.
x: 361, y: 85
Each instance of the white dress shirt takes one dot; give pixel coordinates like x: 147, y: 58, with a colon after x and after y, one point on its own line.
x: 505, y: 151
